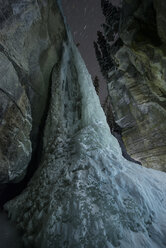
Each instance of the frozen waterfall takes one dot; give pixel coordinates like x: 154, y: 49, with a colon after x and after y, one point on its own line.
x: 84, y: 193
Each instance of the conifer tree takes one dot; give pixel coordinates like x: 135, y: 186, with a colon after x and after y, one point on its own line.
x: 112, y: 19
x: 96, y: 84
x: 108, y: 41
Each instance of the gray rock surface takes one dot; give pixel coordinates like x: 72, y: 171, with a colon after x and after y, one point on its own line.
x: 31, y: 35
x: 15, y: 124
x: 138, y: 86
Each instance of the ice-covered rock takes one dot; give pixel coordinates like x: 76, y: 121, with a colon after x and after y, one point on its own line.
x: 84, y: 193
x: 31, y: 36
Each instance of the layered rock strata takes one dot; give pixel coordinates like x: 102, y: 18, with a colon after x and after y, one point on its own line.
x: 137, y: 87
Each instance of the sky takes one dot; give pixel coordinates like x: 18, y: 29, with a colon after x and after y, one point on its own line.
x: 84, y: 18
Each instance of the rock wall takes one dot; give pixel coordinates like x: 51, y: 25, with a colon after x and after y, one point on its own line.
x: 31, y: 35
x: 84, y: 193
x: 137, y: 86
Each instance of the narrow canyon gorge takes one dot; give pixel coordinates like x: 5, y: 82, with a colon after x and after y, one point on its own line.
x: 64, y: 182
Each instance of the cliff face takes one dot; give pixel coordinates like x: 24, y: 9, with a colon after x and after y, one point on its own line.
x: 31, y: 35
x: 84, y: 193
x: 138, y: 85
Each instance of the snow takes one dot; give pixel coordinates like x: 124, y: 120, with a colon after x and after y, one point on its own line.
x: 85, y: 194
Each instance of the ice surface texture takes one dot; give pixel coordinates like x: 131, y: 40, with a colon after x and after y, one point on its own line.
x: 84, y: 193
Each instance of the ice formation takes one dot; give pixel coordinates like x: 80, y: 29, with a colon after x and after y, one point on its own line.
x: 84, y: 193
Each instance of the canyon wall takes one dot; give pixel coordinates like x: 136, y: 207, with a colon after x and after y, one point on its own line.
x: 84, y: 194
x: 31, y: 35
x: 137, y: 81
